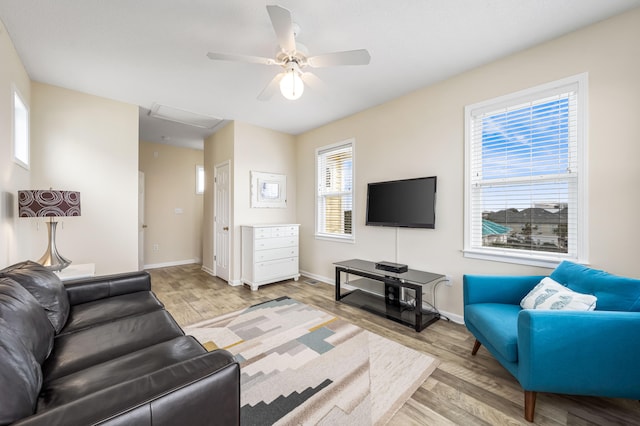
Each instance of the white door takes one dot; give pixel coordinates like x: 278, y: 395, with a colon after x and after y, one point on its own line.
x: 141, y: 225
x: 221, y: 208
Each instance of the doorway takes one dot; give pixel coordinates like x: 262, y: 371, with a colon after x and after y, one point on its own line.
x: 141, y: 225
x: 222, y: 221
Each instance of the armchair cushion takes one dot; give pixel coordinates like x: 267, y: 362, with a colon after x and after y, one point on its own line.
x: 548, y: 294
x: 614, y: 293
x: 498, y: 324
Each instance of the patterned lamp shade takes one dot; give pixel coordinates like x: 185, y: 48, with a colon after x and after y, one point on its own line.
x: 48, y: 202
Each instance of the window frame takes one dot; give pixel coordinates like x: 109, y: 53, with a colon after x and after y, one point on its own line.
x: 23, y: 162
x: 201, y: 179
x: 348, y: 238
x: 529, y: 257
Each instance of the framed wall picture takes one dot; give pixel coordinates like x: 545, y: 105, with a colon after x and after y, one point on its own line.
x: 268, y: 190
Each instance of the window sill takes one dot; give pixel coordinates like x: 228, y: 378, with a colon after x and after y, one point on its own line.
x: 21, y: 163
x: 336, y: 238
x: 521, y: 259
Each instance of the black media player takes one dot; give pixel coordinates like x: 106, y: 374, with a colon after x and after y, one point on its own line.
x: 397, y: 268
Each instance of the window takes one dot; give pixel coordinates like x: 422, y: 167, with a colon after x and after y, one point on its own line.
x: 20, y: 130
x: 334, y: 203
x: 525, y: 175
x: 199, y: 180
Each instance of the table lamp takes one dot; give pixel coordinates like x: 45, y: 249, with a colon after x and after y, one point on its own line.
x: 50, y: 203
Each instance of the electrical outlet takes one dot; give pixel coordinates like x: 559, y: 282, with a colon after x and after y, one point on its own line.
x: 448, y: 280
x: 156, y: 247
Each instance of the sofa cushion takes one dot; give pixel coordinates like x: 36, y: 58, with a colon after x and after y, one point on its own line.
x: 118, y: 370
x: 24, y: 315
x: 499, y: 325
x: 110, y: 309
x: 20, y: 377
x: 85, y: 348
x: 45, y: 286
x: 614, y: 293
x: 549, y: 294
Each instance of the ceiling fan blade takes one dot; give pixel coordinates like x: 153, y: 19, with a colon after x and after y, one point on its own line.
x: 241, y: 58
x: 271, y: 88
x: 282, y: 25
x: 313, y: 82
x: 349, y: 57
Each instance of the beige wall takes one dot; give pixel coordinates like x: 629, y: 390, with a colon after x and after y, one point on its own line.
x: 12, y: 176
x: 248, y: 148
x: 260, y: 150
x: 421, y: 134
x: 170, y: 181
x: 89, y: 144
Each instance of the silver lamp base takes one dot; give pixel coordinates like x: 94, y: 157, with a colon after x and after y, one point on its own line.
x: 51, y: 259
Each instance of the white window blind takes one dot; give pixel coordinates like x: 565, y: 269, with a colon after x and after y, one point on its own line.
x: 334, y: 204
x: 525, y: 176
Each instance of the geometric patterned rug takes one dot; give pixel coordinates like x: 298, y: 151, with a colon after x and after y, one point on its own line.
x: 301, y: 365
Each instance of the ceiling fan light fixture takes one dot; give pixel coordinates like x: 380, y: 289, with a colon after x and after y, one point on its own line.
x: 291, y: 85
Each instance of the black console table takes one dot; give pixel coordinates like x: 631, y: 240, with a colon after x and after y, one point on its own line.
x: 396, y: 296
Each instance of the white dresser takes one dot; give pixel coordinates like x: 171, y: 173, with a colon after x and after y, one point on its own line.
x: 269, y: 254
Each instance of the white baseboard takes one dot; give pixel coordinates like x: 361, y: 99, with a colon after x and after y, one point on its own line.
x: 458, y: 319
x: 452, y: 317
x: 233, y: 283
x: 173, y: 263
x: 318, y: 277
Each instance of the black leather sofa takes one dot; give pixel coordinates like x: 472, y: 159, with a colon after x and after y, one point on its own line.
x: 104, y: 351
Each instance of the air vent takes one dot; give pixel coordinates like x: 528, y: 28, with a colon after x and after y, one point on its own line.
x: 185, y: 117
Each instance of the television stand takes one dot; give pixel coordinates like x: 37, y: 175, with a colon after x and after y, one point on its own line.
x: 396, y: 296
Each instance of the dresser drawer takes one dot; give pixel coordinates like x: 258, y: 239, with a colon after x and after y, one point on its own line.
x: 260, y: 233
x: 277, y: 253
x: 284, y: 231
x: 271, y: 243
x: 276, y: 268
x: 275, y: 231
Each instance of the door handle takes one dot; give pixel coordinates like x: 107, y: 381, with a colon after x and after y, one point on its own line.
x: 144, y: 226
x: 226, y: 228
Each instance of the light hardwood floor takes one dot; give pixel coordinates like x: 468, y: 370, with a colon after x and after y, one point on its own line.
x: 464, y: 390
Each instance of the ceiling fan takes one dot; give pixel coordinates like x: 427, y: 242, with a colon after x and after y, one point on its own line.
x: 293, y: 58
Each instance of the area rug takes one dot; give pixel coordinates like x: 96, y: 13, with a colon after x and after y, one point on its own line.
x: 301, y: 365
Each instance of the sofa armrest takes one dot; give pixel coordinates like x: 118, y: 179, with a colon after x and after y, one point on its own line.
x: 580, y: 353
x: 497, y: 288
x: 204, y: 390
x: 89, y: 289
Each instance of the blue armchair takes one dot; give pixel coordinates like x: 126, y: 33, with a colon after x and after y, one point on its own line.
x: 560, y: 351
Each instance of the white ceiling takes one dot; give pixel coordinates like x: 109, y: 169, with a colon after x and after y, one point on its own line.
x: 148, y: 52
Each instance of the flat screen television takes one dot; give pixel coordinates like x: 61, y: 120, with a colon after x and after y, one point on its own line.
x: 409, y: 203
